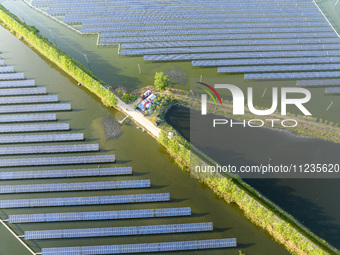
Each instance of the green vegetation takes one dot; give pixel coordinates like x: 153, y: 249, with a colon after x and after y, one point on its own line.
x: 127, y: 98
x: 32, y: 37
x: 161, y: 81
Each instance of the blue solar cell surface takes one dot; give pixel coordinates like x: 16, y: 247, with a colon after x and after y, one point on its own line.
x: 69, y: 201
x: 143, y: 247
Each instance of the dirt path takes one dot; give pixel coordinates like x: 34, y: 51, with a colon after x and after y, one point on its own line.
x: 128, y: 109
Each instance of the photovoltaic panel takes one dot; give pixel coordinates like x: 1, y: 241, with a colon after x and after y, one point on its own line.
x: 301, y: 75
x: 35, y: 108
x: 49, y: 149
x: 41, y: 138
x: 22, y: 91
x: 34, y: 128
x: 12, y: 76
x: 57, y: 161
x: 318, y: 83
x: 278, y: 68
x: 75, y: 201
x: 112, y: 28
x: 6, y: 69
x: 18, y: 83
x: 333, y: 91
x: 101, y: 215
x: 27, y: 118
x: 28, y: 99
x: 144, y: 247
x: 72, y: 186
x: 228, y: 43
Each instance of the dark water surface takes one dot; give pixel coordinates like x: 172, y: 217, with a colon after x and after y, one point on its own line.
x: 314, y: 202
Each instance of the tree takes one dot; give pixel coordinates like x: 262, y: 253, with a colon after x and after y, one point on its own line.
x: 161, y: 81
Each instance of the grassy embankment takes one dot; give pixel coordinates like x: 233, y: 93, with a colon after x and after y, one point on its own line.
x: 31, y: 36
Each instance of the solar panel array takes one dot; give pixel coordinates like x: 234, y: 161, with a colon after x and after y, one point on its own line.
x: 143, y: 247
x: 236, y: 32
x: 22, y: 91
x: 77, y: 201
x: 27, y: 118
x: 119, y: 231
x: 35, y: 108
x: 6, y: 69
x: 83, y: 186
x: 12, y: 76
x: 34, y: 128
x: 103, y: 215
x: 332, y: 91
x: 49, y: 149
x: 68, y: 173
x: 13, y: 84
x: 74, y: 160
x: 41, y: 138
x: 19, y: 96
x: 28, y: 99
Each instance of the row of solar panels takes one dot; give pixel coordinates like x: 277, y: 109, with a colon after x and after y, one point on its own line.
x: 12, y: 76
x: 108, y: 16
x: 51, y: 2
x: 6, y: 69
x: 28, y: 99
x: 240, y: 55
x: 171, y: 44
x: 49, y: 149
x: 87, y: 172
x: 172, y: 38
x: 35, y: 108
x: 278, y: 68
x: 104, y: 11
x: 318, y: 83
x: 112, y: 28
x: 77, y: 201
x: 173, y: 5
x: 239, y: 15
x: 300, y: 75
x: 175, y: 18
x: 232, y: 49
x: 231, y: 22
x: 75, y: 160
x: 104, y: 215
x: 216, y: 31
x: 34, y: 128
x: 266, y: 61
x: 119, y: 231
x: 331, y: 91
x: 20, y: 83
x: 142, y: 247
x: 82, y: 186
x: 41, y: 138
x: 22, y: 91
x: 27, y: 118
